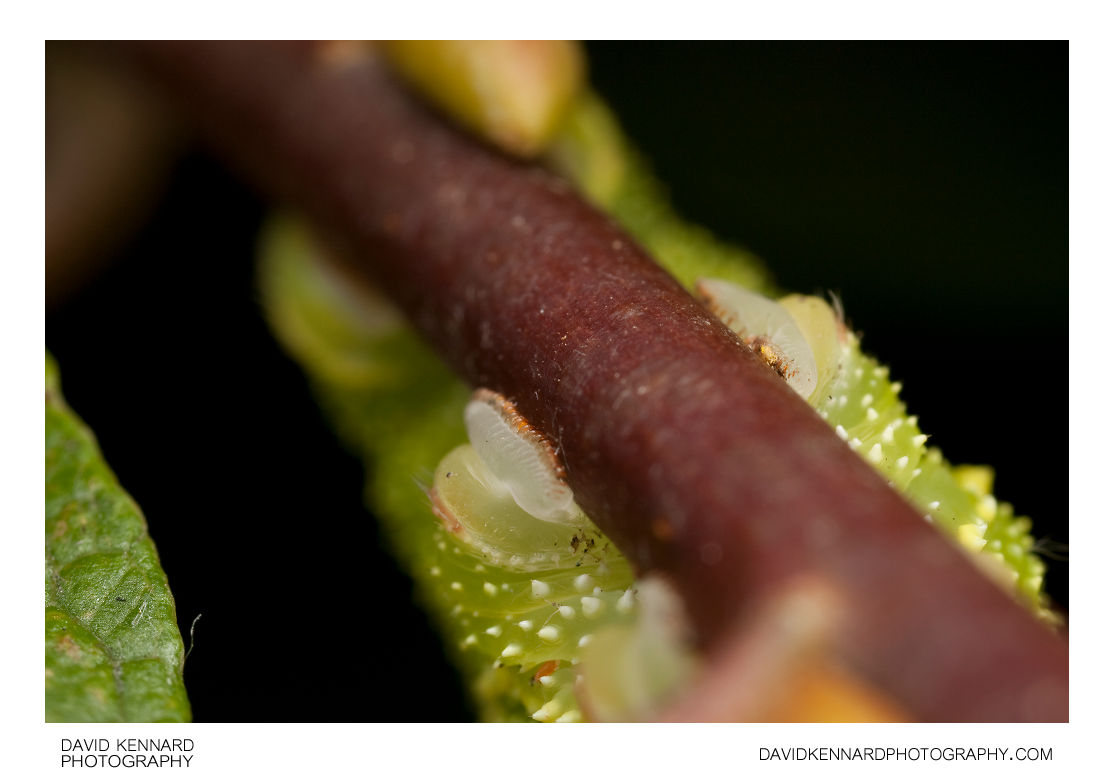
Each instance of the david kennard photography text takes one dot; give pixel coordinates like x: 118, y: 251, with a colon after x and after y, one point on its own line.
x: 127, y: 753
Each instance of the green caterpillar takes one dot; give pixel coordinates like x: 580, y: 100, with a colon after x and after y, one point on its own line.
x: 533, y: 600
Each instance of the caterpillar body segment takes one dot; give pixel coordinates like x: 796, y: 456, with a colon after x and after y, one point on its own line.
x: 531, y: 596
x: 861, y: 403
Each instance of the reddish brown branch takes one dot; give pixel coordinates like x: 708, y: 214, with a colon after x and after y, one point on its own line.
x: 690, y: 453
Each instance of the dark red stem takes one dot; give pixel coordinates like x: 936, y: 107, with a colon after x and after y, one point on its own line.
x: 695, y: 457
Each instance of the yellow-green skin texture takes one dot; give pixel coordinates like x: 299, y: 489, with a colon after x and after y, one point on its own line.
x: 113, y: 649
x: 401, y: 410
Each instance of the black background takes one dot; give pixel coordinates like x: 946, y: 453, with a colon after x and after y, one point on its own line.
x: 925, y: 184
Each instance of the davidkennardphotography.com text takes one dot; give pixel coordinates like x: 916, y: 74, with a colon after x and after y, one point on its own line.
x: 908, y: 754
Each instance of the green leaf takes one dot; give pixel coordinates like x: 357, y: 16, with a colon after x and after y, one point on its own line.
x: 113, y: 650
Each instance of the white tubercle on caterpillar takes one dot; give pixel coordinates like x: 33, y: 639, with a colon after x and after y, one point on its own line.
x: 767, y: 327
x: 521, y: 457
